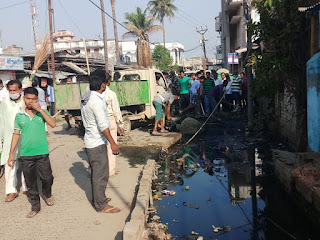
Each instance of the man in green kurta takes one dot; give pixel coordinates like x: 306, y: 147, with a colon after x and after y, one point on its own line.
x: 9, y: 107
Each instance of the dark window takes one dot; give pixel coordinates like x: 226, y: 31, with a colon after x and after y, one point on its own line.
x: 131, y: 77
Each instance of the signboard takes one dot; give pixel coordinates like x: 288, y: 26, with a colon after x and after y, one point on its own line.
x: 230, y: 58
x: 233, y: 58
x: 11, y: 63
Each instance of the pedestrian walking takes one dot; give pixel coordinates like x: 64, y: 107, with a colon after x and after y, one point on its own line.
x: 97, y: 136
x: 116, y: 122
x: 29, y: 126
x: 208, y: 84
x: 184, y: 85
x: 9, y: 108
x: 161, y: 101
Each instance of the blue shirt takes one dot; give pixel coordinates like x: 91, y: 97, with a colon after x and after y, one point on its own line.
x: 195, y: 84
x: 50, y: 92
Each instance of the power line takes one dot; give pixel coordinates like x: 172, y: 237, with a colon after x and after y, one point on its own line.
x: 13, y: 5
x: 192, y: 49
x: 71, y: 19
x: 187, y: 19
x: 191, y: 17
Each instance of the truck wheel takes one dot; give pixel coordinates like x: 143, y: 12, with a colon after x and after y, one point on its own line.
x: 126, y: 125
x: 80, y: 128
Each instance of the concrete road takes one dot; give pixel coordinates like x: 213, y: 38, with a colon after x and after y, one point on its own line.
x: 72, y: 216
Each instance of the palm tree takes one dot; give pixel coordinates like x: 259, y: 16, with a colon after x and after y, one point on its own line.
x: 140, y: 25
x: 116, y: 40
x: 161, y: 9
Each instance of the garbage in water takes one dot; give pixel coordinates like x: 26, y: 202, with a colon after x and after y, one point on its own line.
x: 194, y: 233
x: 167, y: 193
x: 224, y: 228
x: 190, y: 206
x: 224, y: 190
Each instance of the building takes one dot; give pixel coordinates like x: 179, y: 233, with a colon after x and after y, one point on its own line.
x: 231, y: 24
x: 95, y: 48
x: 12, y: 49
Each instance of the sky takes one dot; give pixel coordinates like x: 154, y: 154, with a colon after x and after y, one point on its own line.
x: 84, y: 19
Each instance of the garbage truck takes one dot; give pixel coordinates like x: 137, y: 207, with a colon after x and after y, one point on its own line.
x: 135, y: 89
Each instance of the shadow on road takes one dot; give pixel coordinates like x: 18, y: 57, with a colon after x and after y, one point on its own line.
x: 80, y: 174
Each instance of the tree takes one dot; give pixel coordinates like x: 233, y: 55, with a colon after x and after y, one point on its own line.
x: 163, y: 58
x: 140, y: 26
x: 116, y: 40
x: 161, y: 9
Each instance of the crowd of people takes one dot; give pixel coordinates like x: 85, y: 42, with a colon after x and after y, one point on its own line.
x: 200, y: 94
x: 24, y: 117
x: 24, y: 147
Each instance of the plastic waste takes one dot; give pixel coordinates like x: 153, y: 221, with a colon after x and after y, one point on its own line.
x: 224, y: 228
x: 194, y: 233
x: 187, y: 188
x: 167, y: 193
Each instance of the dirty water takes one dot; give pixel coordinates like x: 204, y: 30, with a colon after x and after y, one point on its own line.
x: 224, y: 188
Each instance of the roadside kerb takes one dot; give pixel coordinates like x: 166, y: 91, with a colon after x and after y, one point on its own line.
x: 135, y: 227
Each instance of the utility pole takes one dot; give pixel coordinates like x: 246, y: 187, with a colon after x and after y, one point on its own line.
x: 34, y: 17
x: 249, y: 70
x: 105, y: 41
x: 202, y: 32
x: 53, y: 67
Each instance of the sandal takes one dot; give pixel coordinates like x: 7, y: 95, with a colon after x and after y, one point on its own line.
x: 110, y: 209
x: 156, y: 134
x: 32, y: 214
x: 50, y: 201
x: 165, y: 131
x: 11, y: 196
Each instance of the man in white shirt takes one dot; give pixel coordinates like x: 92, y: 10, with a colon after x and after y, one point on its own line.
x: 3, y: 91
x: 116, y: 122
x: 97, y: 136
x: 9, y: 107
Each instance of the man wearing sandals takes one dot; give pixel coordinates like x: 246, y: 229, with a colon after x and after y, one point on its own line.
x: 9, y: 108
x: 97, y: 135
x: 30, y: 125
x: 165, y: 99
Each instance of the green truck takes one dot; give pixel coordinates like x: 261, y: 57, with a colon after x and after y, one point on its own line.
x: 135, y: 88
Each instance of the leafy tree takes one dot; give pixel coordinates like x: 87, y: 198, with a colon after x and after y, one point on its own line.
x: 140, y: 26
x: 161, y: 9
x: 163, y: 58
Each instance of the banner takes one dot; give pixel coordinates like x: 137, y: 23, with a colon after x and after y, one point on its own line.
x: 11, y: 63
x: 233, y: 58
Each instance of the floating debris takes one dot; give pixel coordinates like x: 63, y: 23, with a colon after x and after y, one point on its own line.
x: 224, y: 228
x: 190, y: 206
x: 194, y: 233
x: 187, y: 188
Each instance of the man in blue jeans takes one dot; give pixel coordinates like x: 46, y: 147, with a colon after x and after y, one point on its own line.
x: 208, y: 84
x: 194, y: 94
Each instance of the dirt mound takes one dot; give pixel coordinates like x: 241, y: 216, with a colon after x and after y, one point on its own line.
x: 189, y: 126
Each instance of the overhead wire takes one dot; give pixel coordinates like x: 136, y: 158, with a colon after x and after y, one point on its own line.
x: 198, y: 22
x: 13, y: 5
x: 71, y: 19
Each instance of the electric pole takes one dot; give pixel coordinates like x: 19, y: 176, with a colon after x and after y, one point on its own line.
x: 249, y: 70
x: 53, y: 67
x: 105, y: 41
x: 34, y: 16
x: 203, y: 41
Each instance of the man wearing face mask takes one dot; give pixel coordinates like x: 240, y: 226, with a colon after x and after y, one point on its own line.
x: 9, y: 107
